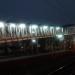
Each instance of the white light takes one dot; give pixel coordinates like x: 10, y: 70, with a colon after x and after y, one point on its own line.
x: 30, y: 29
x: 41, y: 28
x: 45, y: 27
x: 1, y: 24
x: 62, y: 29
x: 33, y: 41
x: 57, y: 28
x: 33, y: 32
x: 34, y: 26
x: 60, y: 36
x: 22, y: 26
x: 12, y: 25
x: 51, y: 28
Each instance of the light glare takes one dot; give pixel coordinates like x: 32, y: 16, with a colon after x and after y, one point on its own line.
x: 12, y: 25
x: 51, y: 28
x: 33, y: 41
x: 57, y: 28
x: 1, y: 24
x: 60, y: 36
x: 22, y: 25
x: 34, y: 26
x: 45, y: 27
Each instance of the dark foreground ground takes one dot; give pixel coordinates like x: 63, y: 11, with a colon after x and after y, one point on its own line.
x: 56, y: 64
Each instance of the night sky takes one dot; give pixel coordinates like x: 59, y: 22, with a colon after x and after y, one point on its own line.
x: 43, y: 11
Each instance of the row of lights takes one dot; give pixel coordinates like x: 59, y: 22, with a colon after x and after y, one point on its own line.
x: 34, y: 26
x: 22, y: 25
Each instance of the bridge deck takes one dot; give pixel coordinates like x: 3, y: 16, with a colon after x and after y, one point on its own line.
x: 14, y: 39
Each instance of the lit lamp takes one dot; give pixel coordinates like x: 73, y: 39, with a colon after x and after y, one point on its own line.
x: 34, y: 26
x: 1, y: 24
x: 52, y: 30
x: 57, y: 28
x: 22, y: 29
x: 33, y: 29
x: 12, y: 25
x: 60, y: 37
x: 45, y: 29
x: 22, y: 26
x: 12, y: 28
x: 33, y: 40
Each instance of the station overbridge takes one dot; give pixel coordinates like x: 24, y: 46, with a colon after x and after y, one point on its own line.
x: 20, y: 31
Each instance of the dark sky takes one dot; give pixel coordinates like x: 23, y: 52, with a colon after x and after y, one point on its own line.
x: 47, y: 11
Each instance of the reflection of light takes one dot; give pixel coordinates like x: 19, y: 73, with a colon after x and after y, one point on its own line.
x: 22, y: 25
x: 1, y: 24
x: 12, y: 25
x: 33, y: 41
x: 57, y: 28
x: 60, y: 36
